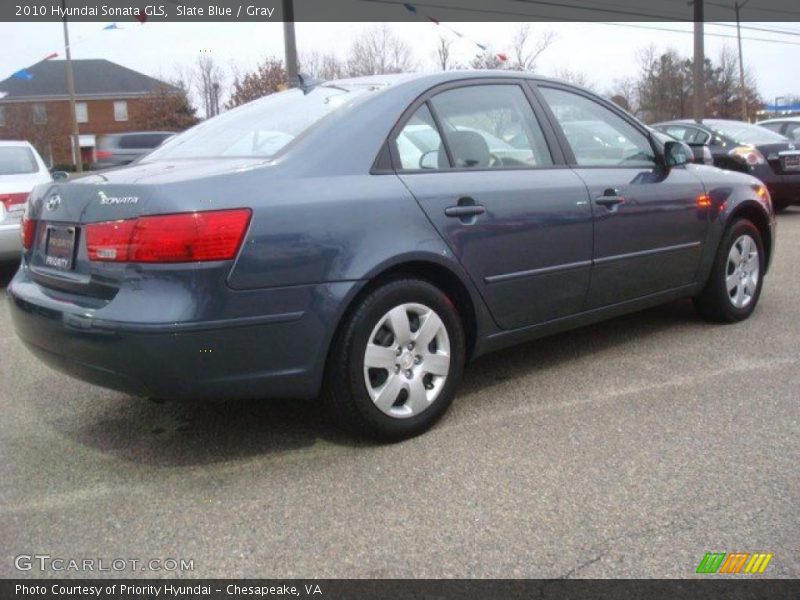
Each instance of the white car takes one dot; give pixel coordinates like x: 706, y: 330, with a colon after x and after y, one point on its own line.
x: 21, y: 169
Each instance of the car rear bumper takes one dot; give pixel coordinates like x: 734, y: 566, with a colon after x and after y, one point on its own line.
x: 10, y: 244
x: 784, y: 189
x: 273, y: 355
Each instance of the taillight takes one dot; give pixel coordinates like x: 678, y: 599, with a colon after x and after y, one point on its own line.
x: 749, y: 155
x: 183, y: 237
x: 13, y: 200
x: 27, y: 231
x: 101, y: 154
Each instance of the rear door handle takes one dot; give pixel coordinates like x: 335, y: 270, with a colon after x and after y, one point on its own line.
x: 465, y: 211
x: 610, y: 198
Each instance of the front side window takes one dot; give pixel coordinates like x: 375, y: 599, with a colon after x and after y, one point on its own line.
x: 81, y: 112
x: 491, y: 127
x: 120, y: 110
x: 598, y: 136
x: 39, y: 114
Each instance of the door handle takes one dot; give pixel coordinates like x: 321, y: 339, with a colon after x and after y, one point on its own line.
x: 610, y: 198
x: 465, y: 209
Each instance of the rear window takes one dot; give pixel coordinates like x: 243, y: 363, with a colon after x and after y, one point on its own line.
x: 17, y: 160
x: 262, y: 128
x: 744, y: 133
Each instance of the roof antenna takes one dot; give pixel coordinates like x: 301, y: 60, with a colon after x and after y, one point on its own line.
x: 306, y: 83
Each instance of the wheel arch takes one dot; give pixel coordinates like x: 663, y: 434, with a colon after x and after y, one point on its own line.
x: 438, y: 272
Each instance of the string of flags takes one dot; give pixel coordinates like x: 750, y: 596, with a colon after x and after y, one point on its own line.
x: 25, y: 74
x: 412, y: 8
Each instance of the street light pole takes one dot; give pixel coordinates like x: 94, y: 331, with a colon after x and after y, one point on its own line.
x: 742, y: 87
x: 76, y: 140
x: 289, y: 44
x: 699, y: 63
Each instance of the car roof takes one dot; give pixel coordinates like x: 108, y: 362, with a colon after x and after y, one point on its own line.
x: 7, y: 143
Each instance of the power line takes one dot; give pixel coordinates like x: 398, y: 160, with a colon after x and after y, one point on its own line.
x: 400, y: 3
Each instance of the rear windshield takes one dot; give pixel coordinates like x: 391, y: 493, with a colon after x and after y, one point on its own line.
x: 744, y: 133
x: 17, y: 160
x: 262, y: 128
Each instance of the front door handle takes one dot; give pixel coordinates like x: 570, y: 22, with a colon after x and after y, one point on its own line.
x: 610, y: 198
x: 466, y: 209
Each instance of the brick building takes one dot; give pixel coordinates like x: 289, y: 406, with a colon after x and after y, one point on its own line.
x: 34, y: 105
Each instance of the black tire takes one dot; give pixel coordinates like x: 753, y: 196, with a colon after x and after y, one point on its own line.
x: 346, y: 391
x: 714, y: 303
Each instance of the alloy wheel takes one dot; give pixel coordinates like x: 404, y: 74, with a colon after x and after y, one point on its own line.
x: 742, y: 271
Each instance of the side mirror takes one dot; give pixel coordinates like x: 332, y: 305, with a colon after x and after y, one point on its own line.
x: 59, y: 175
x: 677, y: 153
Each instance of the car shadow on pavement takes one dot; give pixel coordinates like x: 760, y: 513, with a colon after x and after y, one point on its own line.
x: 170, y: 433
x: 7, y: 270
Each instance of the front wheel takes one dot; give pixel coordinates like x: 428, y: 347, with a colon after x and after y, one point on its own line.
x: 734, y: 287
x: 396, y: 361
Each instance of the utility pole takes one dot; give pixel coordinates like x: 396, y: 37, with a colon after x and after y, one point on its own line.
x: 76, y: 140
x: 699, y: 63
x: 742, y: 87
x: 289, y: 45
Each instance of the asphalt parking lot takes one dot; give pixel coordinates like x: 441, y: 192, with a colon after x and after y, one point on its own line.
x: 626, y: 449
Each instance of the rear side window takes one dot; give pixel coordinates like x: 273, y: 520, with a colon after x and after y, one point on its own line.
x: 776, y: 127
x: 597, y: 135
x: 17, y: 160
x: 419, y: 144
x: 491, y: 127
x: 141, y: 140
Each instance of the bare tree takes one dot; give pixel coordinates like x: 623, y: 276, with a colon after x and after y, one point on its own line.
x: 525, y: 51
x: 166, y: 109
x: 378, y: 51
x: 488, y: 60
x: 576, y: 77
x: 443, y: 57
x: 623, y: 94
x: 325, y: 66
x: 208, y: 79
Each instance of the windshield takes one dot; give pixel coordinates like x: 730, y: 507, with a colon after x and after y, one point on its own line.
x: 261, y: 128
x: 744, y: 133
x: 17, y: 160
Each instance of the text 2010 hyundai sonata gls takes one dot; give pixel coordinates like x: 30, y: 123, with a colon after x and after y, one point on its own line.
x: 366, y: 237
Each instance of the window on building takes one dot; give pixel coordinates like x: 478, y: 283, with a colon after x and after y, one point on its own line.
x: 121, y: 110
x: 82, y: 112
x: 39, y: 114
x: 2, y: 116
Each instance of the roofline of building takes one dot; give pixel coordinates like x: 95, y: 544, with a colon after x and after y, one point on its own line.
x: 78, y: 97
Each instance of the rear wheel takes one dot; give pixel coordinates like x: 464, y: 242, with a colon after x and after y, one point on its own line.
x: 396, y: 361
x: 734, y: 287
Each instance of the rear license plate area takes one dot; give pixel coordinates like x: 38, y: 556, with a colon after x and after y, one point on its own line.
x: 59, y: 247
x: 791, y: 163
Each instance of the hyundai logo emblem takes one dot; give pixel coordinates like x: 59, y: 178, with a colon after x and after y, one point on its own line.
x: 54, y: 202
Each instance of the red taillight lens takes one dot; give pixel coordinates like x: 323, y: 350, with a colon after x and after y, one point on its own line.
x: 184, y: 237
x: 13, y: 200
x: 27, y: 231
x: 101, y: 154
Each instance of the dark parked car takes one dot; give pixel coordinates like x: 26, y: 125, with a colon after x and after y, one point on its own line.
x: 740, y: 146
x: 786, y: 126
x: 118, y: 149
x: 312, y: 241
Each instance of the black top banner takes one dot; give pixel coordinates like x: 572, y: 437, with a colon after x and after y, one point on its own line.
x: 364, y: 589
x: 396, y: 10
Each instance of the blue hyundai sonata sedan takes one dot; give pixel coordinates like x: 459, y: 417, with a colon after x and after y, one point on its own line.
x: 362, y: 239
